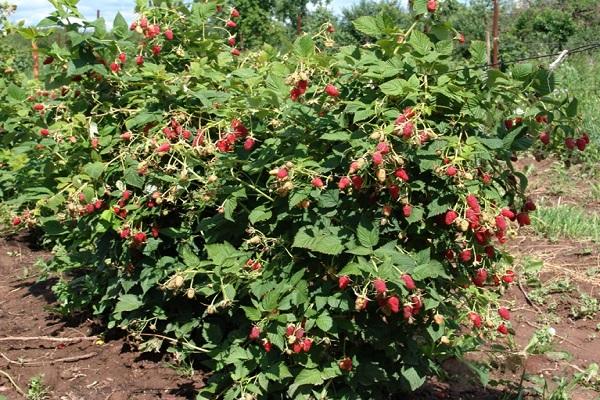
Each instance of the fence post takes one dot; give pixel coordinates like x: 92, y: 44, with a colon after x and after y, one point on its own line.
x: 496, y: 35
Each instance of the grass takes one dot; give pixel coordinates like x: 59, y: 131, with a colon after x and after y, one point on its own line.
x: 567, y: 221
x: 37, y: 390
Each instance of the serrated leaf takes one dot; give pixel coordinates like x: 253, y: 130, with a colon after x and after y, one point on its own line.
x: 128, y: 302
x: 320, y: 242
x: 252, y: 313
x: 324, y: 322
x: 367, y: 233
x: 304, y: 47
x: 260, y: 214
x: 413, y: 378
x: 94, y: 170
x: 369, y: 25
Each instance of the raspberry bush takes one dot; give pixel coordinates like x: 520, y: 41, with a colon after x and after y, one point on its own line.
x: 316, y: 222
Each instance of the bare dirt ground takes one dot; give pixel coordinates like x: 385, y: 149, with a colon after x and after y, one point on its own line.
x: 87, y: 370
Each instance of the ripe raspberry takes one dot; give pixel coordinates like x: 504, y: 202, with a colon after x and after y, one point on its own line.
x: 249, y: 144
x: 139, y: 60
x: 451, y: 171
x: 407, y: 312
x: 408, y: 282
x: 401, y: 174
x: 473, y: 203
x: 541, y: 119
x: 383, y: 147
x: 508, y: 214
x: 163, y: 148
x: 475, y: 319
x: 266, y: 345
x: 317, y: 182
x: 401, y: 119
x: 236, y: 52
x: 126, y: 136
x: 343, y: 282
x: 407, y: 210
x: 461, y: 38
x: 417, y: 304
x: 508, y: 124
x: 345, y: 364
x: 480, y: 277
x: 529, y: 205
x: 394, y: 191
x: 431, y: 5
x: 232, y: 41
x: 155, y: 231
x: 490, y: 251
x: 122, y: 57
x: 407, y: 130
x: 254, y: 333
x: 466, y: 255
x: 377, y: 158
x: 44, y: 132
x: 234, y: 13
x: 581, y: 144
x: 409, y: 112
x: 570, y: 143
x: 16, y: 221
x: 393, y: 303
x: 523, y: 219
x: 231, y: 24
x: 544, y: 137
x: 357, y: 182
x: 501, y: 223
x: 449, y: 255
x: 586, y: 137
x: 169, y: 34
x: 139, y: 238
x: 307, y: 344
x: 344, y: 182
x: 282, y: 173
x: 380, y: 286
x: 114, y: 67
x: 89, y: 208
x: 450, y: 217
x: 509, y: 276
x: 302, y: 85
x: 486, y: 179
x: 124, y: 233
x: 503, y: 329
x: 332, y: 90
x: 504, y: 313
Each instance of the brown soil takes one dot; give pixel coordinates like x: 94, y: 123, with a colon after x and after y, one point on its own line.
x: 106, y: 371
x: 110, y: 371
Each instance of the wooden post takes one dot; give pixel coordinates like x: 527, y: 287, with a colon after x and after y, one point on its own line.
x: 299, y: 24
x: 36, y: 60
x: 97, y: 14
x: 488, y: 47
x: 496, y: 35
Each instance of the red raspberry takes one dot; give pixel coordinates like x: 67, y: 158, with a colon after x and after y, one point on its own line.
x: 345, y: 364
x: 236, y: 52
x: 122, y: 57
x: 401, y: 174
x: 431, y: 5
x: 163, y: 148
x: 570, y: 143
x: 306, y: 345
x: 393, y: 303
x: 450, y: 217
x: 504, y: 313
x: 114, y: 67
x: 39, y: 107
x: 234, y: 13
x: 344, y: 182
x: 343, y: 282
x: 408, y: 282
x: 475, y: 319
x: 267, y: 345
x: 231, y: 24
x: 357, y: 182
x: 473, y: 203
x: 480, y: 277
x: 501, y: 223
x: 332, y: 90
x: 139, y: 238
x: 254, y: 333
x: 523, y: 219
x: 124, y: 233
x: 380, y: 286
x: 508, y: 276
x: 451, y: 171
x: 581, y: 144
x: 44, y: 132
x: 508, y: 214
x: 503, y: 329
x: 249, y: 144
x: 377, y: 158
x: 169, y: 34
x: 544, y: 137
x: 466, y: 255
x: 408, y: 130
x: 16, y: 221
x: 156, y: 49
x: 282, y: 173
x: 407, y: 210
x: 394, y: 191
x: 232, y: 41
x: 317, y: 182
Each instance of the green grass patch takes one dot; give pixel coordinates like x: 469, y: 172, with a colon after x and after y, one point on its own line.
x: 567, y: 221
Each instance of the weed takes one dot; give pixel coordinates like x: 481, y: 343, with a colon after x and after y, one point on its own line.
x: 37, y: 390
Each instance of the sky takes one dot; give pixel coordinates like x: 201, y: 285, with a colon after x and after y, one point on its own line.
x: 32, y: 11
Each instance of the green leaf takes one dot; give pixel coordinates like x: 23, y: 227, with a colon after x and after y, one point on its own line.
x: 259, y: 214
x: 325, y: 322
x: 571, y: 110
x: 478, y: 52
x: 420, y: 42
x: 433, y: 269
x: 320, y: 242
x: 369, y: 25
x: 413, y: 378
x: 395, y: 87
x: 252, y: 313
x: 132, y: 178
x: 336, y: 136
x: 128, y: 302
x: 94, y: 170
x: 368, y: 233
x: 304, y: 47
x: 219, y: 252
x: 306, y: 377
x: 16, y: 93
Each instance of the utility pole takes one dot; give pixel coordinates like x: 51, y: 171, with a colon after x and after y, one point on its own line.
x: 496, y: 35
